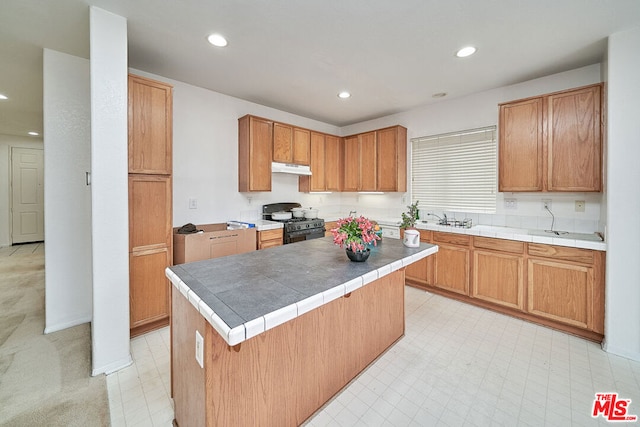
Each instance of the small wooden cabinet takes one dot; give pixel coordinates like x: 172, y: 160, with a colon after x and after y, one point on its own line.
x: 391, y: 146
x: 150, y: 202
x: 420, y: 273
x: 328, y: 226
x: 270, y: 238
x: 566, y: 285
x: 255, y: 142
x: 498, y: 273
x: 150, y: 114
x: 452, y: 267
x: 291, y: 144
x: 334, y: 162
x: 552, y: 142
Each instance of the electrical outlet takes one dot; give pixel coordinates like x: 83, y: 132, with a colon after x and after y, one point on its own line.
x: 193, y: 203
x: 199, y: 349
x: 546, y: 204
x: 511, y: 203
x: 404, y: 200
x: 580, y: 205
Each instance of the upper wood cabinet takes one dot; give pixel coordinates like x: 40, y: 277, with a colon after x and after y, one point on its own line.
x: 334, y: 160
x: 376, y: 160
x: 150, y: 115
x: 520, y: 146
x: 291, y: 144
x: 391, y: 145
x: 318, y: 180
x: 552, y: 142
x: 255, y: 142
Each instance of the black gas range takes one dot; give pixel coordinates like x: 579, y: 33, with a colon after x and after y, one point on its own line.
x: 295, y: 229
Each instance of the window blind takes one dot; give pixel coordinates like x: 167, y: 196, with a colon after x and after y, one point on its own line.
x: 455, y: 171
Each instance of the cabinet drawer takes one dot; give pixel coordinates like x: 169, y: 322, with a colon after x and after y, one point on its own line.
x: 499, y: 245
x: 584, y: 256
x: 452, y: 238
x: 270, y: 234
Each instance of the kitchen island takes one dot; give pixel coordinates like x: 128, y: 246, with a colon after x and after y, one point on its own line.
x: 283, y: 330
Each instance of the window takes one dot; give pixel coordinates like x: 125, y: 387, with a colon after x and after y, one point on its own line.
x: 455, y: 171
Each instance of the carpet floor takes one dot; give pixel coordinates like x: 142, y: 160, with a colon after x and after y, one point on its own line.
x: 45, y: 380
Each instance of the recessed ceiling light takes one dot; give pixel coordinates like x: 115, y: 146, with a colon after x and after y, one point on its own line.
x: 34, y: 133
x: 466, y: 51
x: 439, y: 95
x: 217, y: 40
x: 344, y: 95
x: 2, y: 96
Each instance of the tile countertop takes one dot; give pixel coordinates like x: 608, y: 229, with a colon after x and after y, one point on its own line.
x: 263, y: 225
x: 244, y: 295
x: 574, y: 240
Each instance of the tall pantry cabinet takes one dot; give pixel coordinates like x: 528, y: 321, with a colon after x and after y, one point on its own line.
x: 150, y: 203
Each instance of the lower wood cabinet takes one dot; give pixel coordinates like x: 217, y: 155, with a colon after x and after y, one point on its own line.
x: 555, y: 286
x: 270, y: 238
x: 150, y: 251
x: 149, y: 290
x: 452, y: 268
x: 420, y: 273
x: 498, y: 274
x: 328, y: 226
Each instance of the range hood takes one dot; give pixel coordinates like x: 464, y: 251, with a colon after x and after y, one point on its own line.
x: 289, y: 168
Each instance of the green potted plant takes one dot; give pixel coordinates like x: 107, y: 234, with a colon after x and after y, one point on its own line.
x: 410, y: 217
x: 411, y: 235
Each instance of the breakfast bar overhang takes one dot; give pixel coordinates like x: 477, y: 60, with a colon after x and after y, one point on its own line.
x: 283, y: 330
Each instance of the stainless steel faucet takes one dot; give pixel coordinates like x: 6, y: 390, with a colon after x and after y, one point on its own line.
x: 441, y: 221
x: 352, y: 213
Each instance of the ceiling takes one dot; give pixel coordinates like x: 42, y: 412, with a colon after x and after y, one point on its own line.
x: 297, y: 55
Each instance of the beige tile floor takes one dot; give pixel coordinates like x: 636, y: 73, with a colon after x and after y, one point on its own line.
x: 457, y: 365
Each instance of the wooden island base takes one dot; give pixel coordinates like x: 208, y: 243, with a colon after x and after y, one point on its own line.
x: 284, y: 375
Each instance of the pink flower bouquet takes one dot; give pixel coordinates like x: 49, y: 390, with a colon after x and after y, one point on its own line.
x: 354, y: 233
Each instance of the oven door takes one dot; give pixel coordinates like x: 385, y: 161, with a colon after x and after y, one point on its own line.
x: 299, y: 236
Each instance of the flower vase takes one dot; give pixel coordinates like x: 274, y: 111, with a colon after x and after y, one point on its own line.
x: 358, y: 256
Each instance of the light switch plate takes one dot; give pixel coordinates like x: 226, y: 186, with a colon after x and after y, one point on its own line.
x: 199, y: 349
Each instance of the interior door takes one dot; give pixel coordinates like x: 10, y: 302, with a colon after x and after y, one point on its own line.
x: 27, y: 195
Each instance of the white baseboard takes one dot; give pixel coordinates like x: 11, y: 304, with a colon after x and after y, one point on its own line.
x: 618, y: 351
x: 113, y: 367
x: 68, y: 324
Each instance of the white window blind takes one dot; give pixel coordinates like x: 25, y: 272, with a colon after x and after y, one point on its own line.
x: 455, y: 171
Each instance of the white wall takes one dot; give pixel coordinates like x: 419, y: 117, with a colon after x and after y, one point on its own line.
x: 205, y: 157
x: 481, y: 109
x: 109, y: 192
x: 6, y: 143
x: 67, y: 198
x: 622, y: 311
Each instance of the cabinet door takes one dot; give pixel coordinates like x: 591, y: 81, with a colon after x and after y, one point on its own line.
x: 498, y: 278
x: 282, y: 143
x: 150, y: 208
x: 318, y: 178
x: 574, y: 140
x: 333, y: 147
x: 255, y: 144
x: 392, y: 165
x: 561, y: 292
x: 351, y: 164
x: 150, y: 116
x: 520, y: 146
x: 149, y: 290
x: 301, y: 146
x: 452, y: 269
x: 368, y: 162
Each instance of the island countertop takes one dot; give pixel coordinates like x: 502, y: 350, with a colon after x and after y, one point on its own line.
x: 243, y: 295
